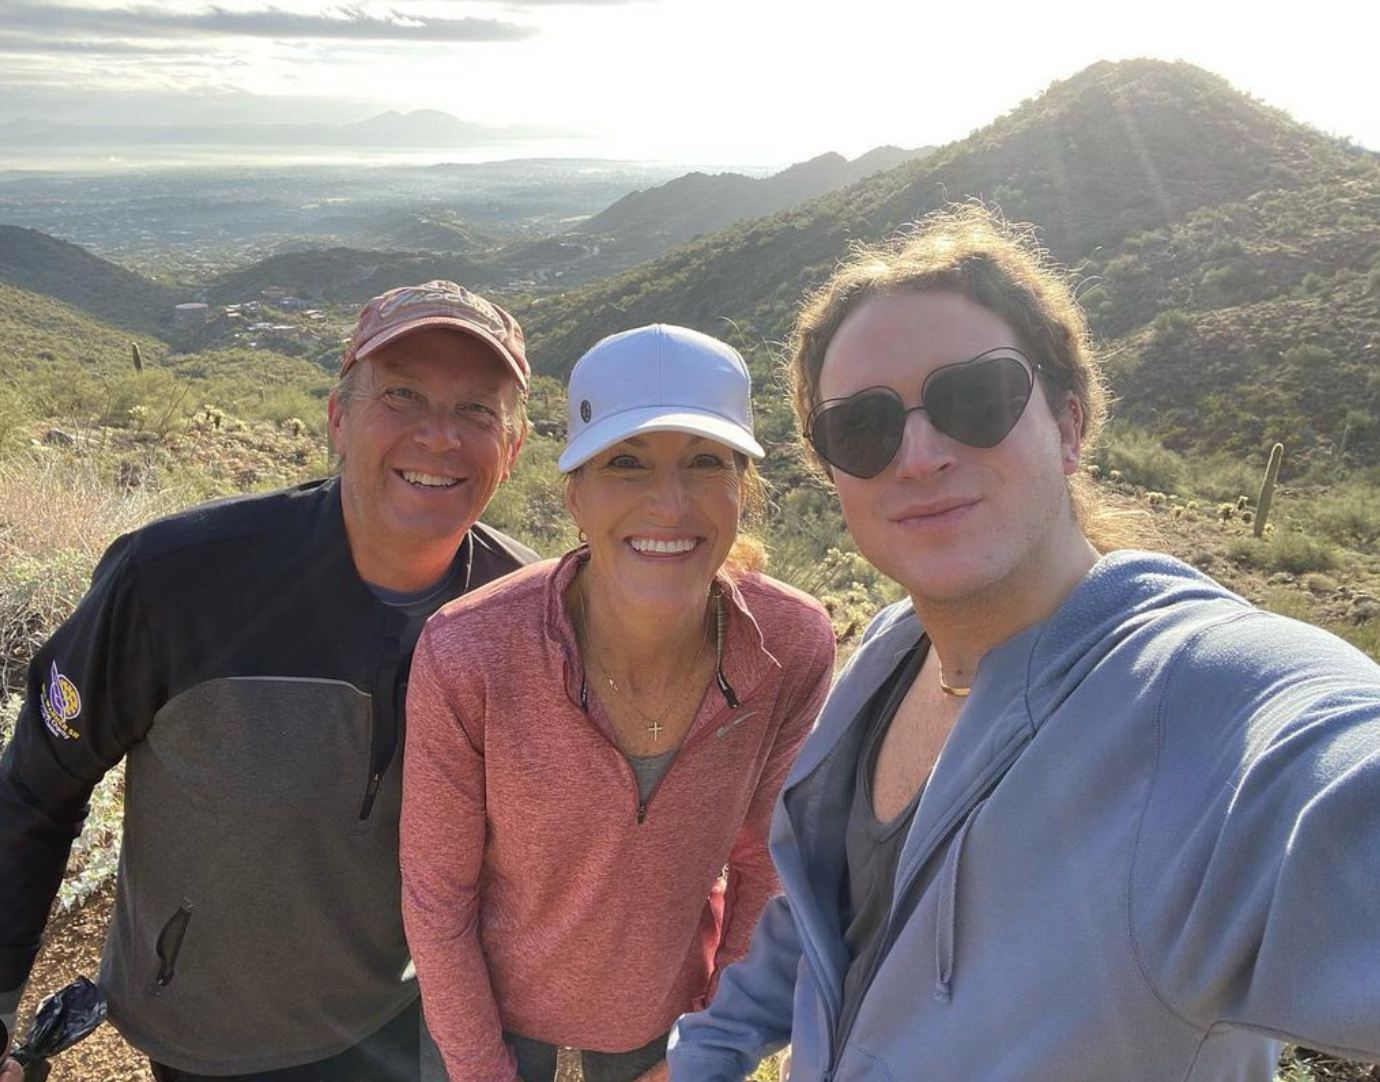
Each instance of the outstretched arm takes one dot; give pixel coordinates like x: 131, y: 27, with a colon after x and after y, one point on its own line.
x: 750, y: 1015
x: 1256, y: 898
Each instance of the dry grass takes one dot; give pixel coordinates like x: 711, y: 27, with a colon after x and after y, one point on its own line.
x: 53, y: 500
x: 57, y: 515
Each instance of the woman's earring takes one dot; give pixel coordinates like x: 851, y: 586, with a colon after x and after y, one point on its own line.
x: 581, y: 535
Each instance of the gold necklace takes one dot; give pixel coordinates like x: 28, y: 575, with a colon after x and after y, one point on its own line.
x: 654, y: 725
x: 950, y: 689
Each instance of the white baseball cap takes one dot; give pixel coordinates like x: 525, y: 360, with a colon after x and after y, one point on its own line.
x: 658, y: 379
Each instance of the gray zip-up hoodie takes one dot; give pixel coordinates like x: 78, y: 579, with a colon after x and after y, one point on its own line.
x: 1150, y: 849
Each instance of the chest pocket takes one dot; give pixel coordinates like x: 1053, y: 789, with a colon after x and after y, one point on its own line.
x: 265, y: 752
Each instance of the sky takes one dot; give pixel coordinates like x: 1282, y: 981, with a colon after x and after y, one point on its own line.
x: 763, y: 82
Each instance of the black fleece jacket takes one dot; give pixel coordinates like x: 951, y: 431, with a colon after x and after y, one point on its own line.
x: 233, y: 656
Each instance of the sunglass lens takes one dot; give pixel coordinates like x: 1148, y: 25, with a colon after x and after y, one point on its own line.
x: 980, y: 402
x: 859, y: 435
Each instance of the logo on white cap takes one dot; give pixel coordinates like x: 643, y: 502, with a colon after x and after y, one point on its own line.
x: 656, y: 379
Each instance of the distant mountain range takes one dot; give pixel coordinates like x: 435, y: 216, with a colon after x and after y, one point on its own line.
x: 700, y: 203
x: 644, y: 224
x: 1228, y: 256
x: 419, y: 128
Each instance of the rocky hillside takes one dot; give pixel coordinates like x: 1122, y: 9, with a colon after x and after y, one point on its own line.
x: 1211, y: 235
x: 39, y: 263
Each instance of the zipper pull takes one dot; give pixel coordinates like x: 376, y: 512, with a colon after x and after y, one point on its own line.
x: 641, y: 812
x: 726, y: 690
x: 369, y: 793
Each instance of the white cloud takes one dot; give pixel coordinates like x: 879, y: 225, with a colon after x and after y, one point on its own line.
x: 168, y: 21
x: 751, y: 81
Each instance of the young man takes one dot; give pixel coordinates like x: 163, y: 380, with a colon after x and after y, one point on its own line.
x: 1069, y: 812
x: 248, y: 659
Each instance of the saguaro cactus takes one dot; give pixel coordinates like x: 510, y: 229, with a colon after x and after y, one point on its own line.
x: 1267, y: 489
x: 136, y: 356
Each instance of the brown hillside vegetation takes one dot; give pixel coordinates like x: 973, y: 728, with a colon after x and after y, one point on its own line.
x: 44, y: 264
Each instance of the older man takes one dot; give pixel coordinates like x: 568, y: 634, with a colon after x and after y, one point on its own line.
x: 1070, y: 812
x: 248, y: 659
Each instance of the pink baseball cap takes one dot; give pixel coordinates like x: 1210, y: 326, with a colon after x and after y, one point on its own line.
x: 438, y: 303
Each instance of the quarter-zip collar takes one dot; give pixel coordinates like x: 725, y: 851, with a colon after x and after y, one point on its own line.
x: 746, y: 661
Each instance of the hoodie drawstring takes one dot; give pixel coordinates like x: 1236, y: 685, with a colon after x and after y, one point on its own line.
x: 946, y: 913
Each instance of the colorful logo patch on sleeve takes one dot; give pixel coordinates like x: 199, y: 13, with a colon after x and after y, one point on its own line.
x: 60, y: 705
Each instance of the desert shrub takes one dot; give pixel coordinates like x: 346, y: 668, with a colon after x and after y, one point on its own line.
x: 1307, y: 357
x: 1287, y: 601
x: 292, y: 403
x: 1348, y: 514
x: 1172, y: 327
x: 95, y: 854
x: 1300, y: 1065
x: 1313, y: 284
x: 56, y: 518
x: 152, y: 395
x: 1227, y: 284
x: 1096, y: 302
x: 530, y: 505
x: 36, y: 594
x: 809, y: 548
x: 1223, y: 477
x: 1295, y: 553
x: 69, y: 394
x: 1358, y: 431
x: 14, y: 419
x: 1140, y: 458
x: 1365, y: 637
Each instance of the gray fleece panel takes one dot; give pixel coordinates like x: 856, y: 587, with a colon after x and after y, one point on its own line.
x: 265, y: 773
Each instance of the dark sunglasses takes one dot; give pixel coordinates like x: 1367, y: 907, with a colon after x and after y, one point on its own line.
x: 976, y: 402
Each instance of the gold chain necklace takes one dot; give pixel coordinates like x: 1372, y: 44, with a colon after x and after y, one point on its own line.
x: 654, y: 721
x: 958, y: 691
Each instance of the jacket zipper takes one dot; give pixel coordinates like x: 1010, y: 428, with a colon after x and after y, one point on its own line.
x: 907, y: 906
x: 387, y: 701
x: 732, y: 702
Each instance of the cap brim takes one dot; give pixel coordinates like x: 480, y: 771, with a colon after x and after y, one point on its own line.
x: 392, y: 334
x: 604, y: 434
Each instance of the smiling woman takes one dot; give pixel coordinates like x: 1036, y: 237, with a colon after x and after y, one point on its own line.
x: 595, y: 747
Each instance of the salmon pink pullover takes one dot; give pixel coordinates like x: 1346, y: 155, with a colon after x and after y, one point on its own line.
x: 541, y: 896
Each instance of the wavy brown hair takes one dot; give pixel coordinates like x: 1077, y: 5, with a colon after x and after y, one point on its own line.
x: 972, y: 251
